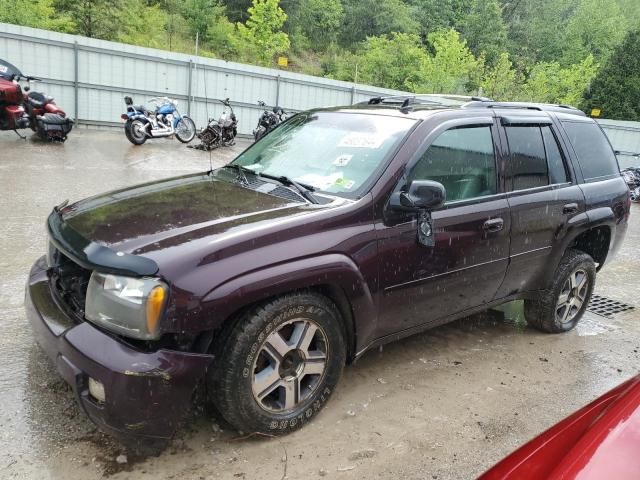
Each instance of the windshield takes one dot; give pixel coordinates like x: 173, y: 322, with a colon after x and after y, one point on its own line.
x: 334, y: 152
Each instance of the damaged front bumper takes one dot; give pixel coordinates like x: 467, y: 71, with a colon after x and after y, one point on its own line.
x: 146, y: 394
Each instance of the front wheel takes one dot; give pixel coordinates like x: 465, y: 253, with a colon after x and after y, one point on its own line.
x: 135, y: 132
x: 185, y: 129
x: 560, y: 308
x: 279, y: 364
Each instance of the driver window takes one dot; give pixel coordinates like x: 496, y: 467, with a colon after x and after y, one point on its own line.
x: 463, y: 160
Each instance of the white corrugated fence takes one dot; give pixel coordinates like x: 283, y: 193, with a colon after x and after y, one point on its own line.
x: 89, y: 78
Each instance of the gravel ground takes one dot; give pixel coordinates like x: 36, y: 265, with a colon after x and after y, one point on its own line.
x: 446, y: 404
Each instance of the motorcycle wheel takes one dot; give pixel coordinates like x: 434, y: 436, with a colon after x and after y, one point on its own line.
x: 259, y: 133
x: 134, y: 131
x: 185, y: 130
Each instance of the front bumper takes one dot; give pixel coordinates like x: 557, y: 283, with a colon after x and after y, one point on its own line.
x: 147, y: 394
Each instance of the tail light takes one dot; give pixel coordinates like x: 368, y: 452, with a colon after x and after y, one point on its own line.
x: 124, y: 116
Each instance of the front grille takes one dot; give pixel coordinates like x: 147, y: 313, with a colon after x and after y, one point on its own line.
x: 69, y: 282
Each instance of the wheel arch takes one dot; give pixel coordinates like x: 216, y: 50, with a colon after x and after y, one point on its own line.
x: 595, y: 242
x: 334, y: 276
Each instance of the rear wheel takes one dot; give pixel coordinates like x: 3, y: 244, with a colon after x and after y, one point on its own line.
x: 560, y: 308
x: 259, y: 132
x: 185, y: 130
x: 135, y: 132
x: 279, y: 364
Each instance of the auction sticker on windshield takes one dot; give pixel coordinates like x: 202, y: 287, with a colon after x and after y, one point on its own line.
x: 361, y: 140
x: 3, y: 69
x: 342, y: 160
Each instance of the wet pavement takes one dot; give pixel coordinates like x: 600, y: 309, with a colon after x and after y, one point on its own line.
x: 444, y: 404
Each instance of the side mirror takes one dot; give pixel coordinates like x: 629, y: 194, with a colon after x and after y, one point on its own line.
x: 421, y: 195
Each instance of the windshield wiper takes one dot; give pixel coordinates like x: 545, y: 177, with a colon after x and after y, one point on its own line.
x: 241, y: 171
x: 302, y: 188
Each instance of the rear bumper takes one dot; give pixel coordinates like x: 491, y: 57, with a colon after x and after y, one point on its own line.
x: 146, y: 394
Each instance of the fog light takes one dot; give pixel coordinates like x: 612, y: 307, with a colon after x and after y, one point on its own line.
x: 96, y: 389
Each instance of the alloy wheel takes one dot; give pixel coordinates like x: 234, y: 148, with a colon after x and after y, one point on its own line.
x: 572, y: 296
x: 289, y: 365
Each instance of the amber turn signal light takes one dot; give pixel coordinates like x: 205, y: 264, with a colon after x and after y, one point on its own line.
x: 155, y: 302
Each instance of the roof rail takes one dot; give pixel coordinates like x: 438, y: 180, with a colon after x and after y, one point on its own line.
x: 541, y: 107
x: 445, y: 100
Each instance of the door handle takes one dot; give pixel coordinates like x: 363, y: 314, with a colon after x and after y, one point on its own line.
x: 570, y: 208
x: 493, y: 225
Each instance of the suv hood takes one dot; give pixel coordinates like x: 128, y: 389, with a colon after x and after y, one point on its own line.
x: 171, y: 212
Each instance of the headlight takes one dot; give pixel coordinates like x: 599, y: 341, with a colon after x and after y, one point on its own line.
x: 128, y: 306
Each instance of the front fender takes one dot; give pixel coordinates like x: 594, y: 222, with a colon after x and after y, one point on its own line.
x: 333, y: 270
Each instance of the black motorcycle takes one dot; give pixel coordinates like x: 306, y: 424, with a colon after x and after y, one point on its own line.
x: 631, y: 176
x: 269, y: 120
x: 221, y: 132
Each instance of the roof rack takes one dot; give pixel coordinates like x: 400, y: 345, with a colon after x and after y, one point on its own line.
x: 407, y: 100
x: 541, y: 107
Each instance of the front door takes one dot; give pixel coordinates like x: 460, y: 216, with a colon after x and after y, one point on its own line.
x: 423, y: 285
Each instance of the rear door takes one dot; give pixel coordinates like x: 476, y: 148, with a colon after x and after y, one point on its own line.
x: 543, y: 196
x: 423, y: 285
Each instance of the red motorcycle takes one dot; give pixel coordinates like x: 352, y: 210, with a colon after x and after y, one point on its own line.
x: 21, y: 108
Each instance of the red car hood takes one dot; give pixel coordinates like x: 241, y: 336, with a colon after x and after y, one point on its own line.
x: 601, y: 440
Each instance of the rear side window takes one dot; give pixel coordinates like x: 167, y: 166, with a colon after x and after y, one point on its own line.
x: 595, y: 156
x: 462, y: 159
x: 528, y: 160
x: 555, y: 161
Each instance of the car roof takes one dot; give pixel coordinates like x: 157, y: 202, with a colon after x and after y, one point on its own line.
x: 419, y: 107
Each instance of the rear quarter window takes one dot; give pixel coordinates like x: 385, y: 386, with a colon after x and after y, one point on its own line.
x: 595, y: 156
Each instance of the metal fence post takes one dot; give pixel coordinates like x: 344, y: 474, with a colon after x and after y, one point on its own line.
x: 277, y: 89
x: 189, y: 88
x: 75, y: 80
x: 353, y: 94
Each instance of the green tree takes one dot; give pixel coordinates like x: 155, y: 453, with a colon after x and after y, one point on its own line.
x: 371, y: 18
x: 452, y: 67
x: 551, y: 83
x: 596, y: 27
x: 34, y: 13
x: 201, y: 16
x: 319, y: 21
x: 237, y: 10
x: 262, y: 36
x: 394, y: 61
x: 434, y: 15
x: 142, y: 24
x: 93, y: 18
x: 616, y: 88
x: 501, y: 81
x: 484, y: 29
x: 537, y: 29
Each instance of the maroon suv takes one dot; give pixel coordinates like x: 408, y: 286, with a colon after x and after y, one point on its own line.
x: 340, y: 230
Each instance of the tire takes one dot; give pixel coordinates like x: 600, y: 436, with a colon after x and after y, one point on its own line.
x: 261, y: 385
x: 548, y: 312
x: 185, y: 130
x: 133, y: 130
x: 259, y: 132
